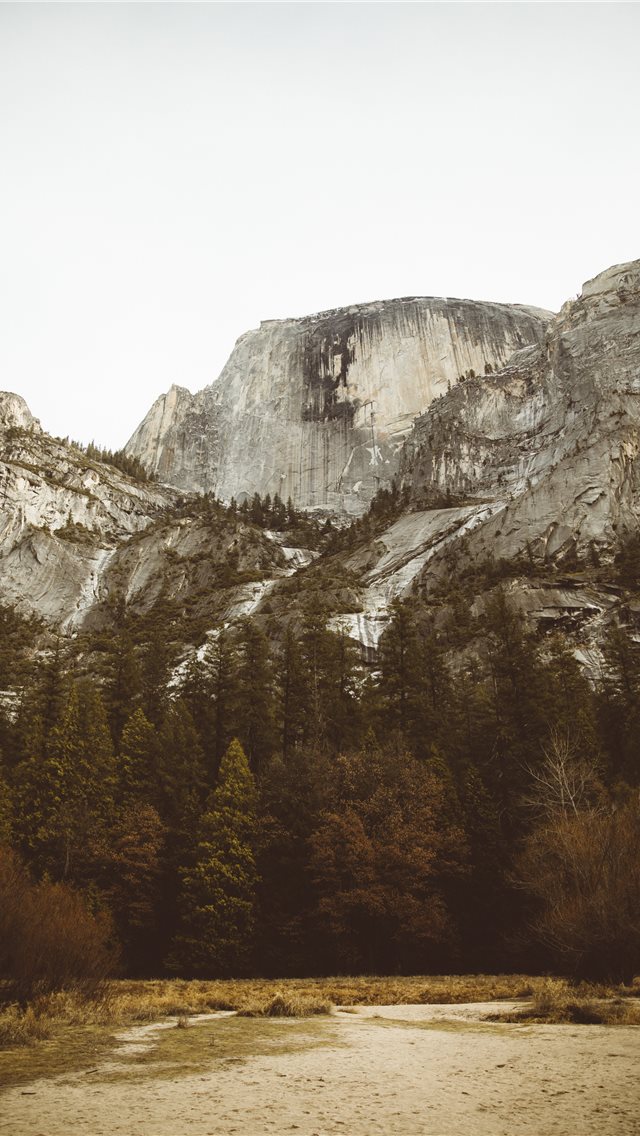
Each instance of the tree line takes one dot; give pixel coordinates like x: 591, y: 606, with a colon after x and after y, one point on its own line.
x: 278, y: 807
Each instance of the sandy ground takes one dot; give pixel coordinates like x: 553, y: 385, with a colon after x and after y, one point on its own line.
x: 410, y: 1070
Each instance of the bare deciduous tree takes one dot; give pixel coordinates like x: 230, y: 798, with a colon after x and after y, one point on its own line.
x: 564, y: 782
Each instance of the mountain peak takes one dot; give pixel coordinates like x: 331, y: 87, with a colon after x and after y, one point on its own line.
x: 15, y: 412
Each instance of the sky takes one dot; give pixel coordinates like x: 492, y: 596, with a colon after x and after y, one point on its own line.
x: 171, y: 175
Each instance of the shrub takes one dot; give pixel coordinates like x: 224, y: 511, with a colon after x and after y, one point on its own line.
x: 50, y: 941
x: 557, y: 1002
x: 21, y: 1027
x: 584, y: 870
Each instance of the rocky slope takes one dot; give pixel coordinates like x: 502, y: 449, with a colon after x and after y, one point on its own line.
x: 316, y: 409
x: 551, y: 443
x: 541, y: 461
x: 78, y: 538
x: 62, y: 517
x: 537, y: 462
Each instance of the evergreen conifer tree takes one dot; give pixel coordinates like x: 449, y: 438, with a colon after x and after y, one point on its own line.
x: 71, y: 788
x: 254, y: 711
x: 182, y: 776
x: 218, y: 887
x: 124, y: 683
x: 138, y: 760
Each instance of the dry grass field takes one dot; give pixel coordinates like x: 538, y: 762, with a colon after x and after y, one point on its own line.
x: 369, y: 1070
x: 126, y: 1002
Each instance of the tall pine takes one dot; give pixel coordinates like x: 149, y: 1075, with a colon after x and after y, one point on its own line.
x: 218, y: 887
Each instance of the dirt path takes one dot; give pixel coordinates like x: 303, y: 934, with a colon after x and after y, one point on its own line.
x: 397, y: 1070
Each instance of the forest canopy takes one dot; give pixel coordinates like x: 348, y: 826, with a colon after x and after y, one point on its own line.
x: 285, y: 808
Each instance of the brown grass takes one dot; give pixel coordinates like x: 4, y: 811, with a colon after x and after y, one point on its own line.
x: 21, y: 1027
x: 281, y: 1006
x: 556, y: 1002
x: 125, y: 1002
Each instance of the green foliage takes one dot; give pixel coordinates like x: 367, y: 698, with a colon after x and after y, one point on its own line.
x: 217, y: 895
x: 131, y: 880
x: 181, y: 775
x: 627, y: 562
x: 66, y: 792
x: 126, y: 463
x: 138, y: 759
x: 620, y: 704
x: 6, y: 812
x: 17, y: 635
x: 379, y: 812
x: 255, y: 696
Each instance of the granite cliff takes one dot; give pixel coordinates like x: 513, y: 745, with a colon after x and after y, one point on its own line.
x: 316, y: 409
x: 534, y: 457
x: 540, y: 461
x: 80, y: 540
x: 552, y: 442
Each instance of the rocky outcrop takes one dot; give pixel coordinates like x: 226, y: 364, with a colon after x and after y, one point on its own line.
x: 540, y: 458
x: 80, y: 541
x: 316, y: 409
x: 552, y: 441
x: 62, y: 516
x: 14, y: 413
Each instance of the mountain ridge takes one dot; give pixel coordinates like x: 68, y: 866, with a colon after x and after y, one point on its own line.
x: 537, y: 460
x: 316, y: 408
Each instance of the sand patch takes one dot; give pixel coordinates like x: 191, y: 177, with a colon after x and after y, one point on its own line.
x: 397, y: 1070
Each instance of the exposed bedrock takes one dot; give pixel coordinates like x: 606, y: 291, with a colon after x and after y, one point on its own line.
x: 553, y: 439
x: 316, y: 409
x: 62, y: 516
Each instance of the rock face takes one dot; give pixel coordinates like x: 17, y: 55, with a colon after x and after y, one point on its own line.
x: 316, y: 409
x: 14, y: 413
x: 539, y: 460
x: 79, y: 539
x: 552, y: 442
x: 62, y: 517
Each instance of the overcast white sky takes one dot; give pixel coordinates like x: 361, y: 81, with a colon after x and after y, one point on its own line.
x: 172, y: 174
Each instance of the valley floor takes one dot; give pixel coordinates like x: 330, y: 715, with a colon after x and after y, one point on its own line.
x: 403, y: 1070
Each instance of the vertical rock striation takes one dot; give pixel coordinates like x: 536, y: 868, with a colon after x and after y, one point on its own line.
x: 316, y: 409
x: 553, y: 439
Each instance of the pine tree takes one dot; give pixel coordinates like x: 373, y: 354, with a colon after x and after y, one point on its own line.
x: 329, y: 663
x: 222, y: 684
x: 429, y: 711
x: 69, y: 791
x: 132, y: 864
x: 519, y: 692
x: 197, y: 693
x: 569, y: 699
x: 6, y: 811
x: 218, y: 887
x: 278, y: 513
x: 155, y: 675
x: 398, y: 660
x: 291, y: 692
x: 620, y: 705
x: 182, y: 775
x: 343, y: 717
x: 124, y: 684
x: 138, y: 760
x: 487, y: 906
x: 293, y: 792
x: 256, y: 514
x: 254, y: 710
